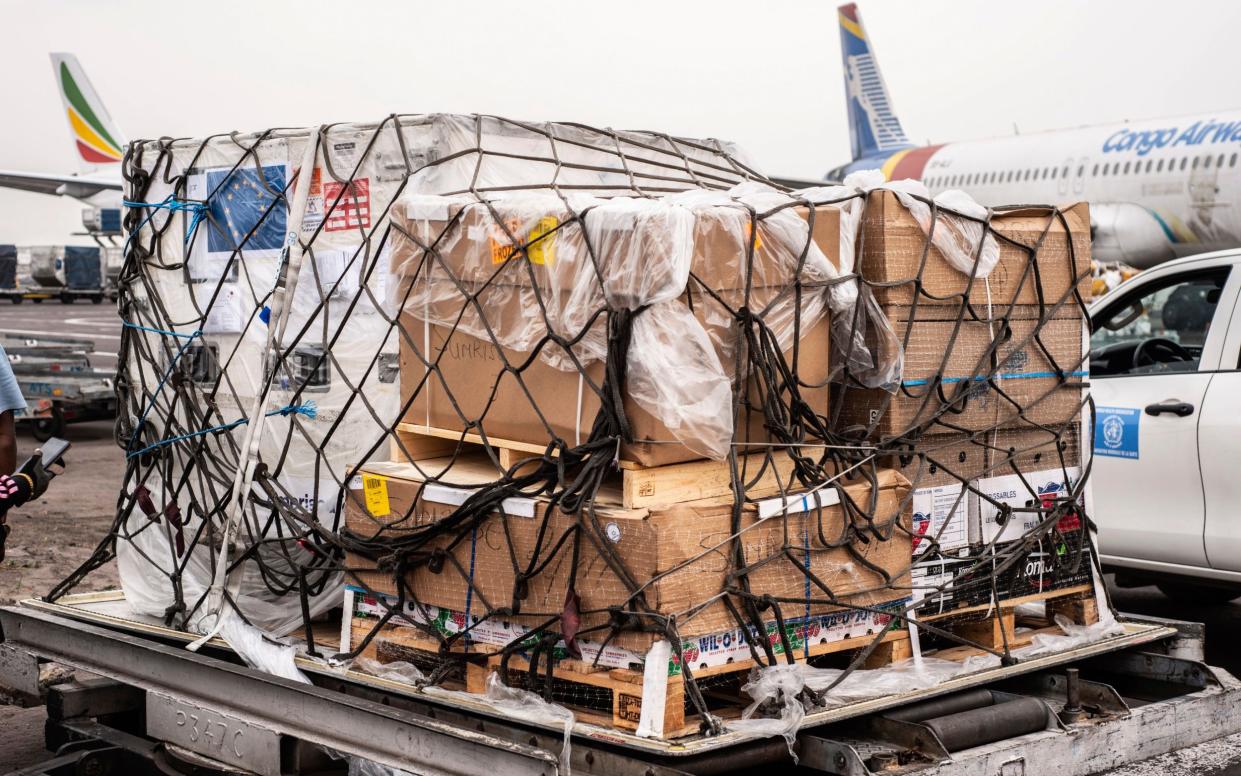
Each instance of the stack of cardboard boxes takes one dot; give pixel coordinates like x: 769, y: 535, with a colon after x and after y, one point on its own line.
x: 988, y: 411
x: 510, y: 573
x: 987, y: 414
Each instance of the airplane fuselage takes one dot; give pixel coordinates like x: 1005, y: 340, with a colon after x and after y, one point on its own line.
x: 1158, y: 188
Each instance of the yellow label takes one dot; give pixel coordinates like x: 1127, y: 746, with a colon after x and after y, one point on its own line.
x: 376, y: 490
x: 540, y: 243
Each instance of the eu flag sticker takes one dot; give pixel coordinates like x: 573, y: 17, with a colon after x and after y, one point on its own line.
x: 239, y: 204
x: 1116, y: 431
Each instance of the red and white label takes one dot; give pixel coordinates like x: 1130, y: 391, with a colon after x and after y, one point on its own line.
x: 354, y: 208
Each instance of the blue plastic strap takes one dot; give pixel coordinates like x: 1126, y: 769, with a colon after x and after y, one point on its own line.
x: 307, y: 408
x: 165, y: 332
x: 985, y: 378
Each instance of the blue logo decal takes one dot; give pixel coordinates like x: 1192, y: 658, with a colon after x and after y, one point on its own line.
x: 1116, y: 431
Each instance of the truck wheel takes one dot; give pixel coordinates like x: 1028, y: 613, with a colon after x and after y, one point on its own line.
x: 45, y: 428
x: 66, y: 299
x: 37, y: 300
x: 97, y: 299
x: 1189, y: 593
x: 16, y: 299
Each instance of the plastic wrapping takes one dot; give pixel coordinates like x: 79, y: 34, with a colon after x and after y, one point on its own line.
x: 964, y: 242
x: 777, y: 689
x: 523, y: 705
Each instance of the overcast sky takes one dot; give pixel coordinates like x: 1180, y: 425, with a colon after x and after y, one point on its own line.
x: 765, y: 74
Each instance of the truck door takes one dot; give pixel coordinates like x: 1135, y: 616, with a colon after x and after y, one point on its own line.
x: 1153, y: 353
x: 1219, y: 448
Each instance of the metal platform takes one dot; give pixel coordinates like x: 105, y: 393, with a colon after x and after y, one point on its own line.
x: 258, y: 719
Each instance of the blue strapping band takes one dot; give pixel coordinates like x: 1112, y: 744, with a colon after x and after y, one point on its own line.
x: 165, y: 332
x: 306, y: 408
x: 173, y: 205
x: 985, y: 378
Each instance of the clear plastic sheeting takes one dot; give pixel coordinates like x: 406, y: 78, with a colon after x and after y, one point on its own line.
x: 779, y: 691
x: 523, y: 705
x: 960, y: 230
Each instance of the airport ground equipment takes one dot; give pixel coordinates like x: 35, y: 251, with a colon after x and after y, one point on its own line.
x: 157, y: 707
x: 58, y: 382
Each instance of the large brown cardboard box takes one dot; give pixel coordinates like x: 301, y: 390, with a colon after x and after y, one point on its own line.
x: 946, y: 365
x: 894, y: 246
x: 513, y: 396
x: 679, y: 555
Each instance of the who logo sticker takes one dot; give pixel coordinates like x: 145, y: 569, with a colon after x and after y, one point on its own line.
x: 1116, y: 431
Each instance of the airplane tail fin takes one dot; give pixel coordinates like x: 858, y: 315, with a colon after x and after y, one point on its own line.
x: 97, y: 141
x: 873, y: 126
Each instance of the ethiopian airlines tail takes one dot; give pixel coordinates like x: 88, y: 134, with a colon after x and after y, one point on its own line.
x: 874, y: 130
x: 96, y: 139
x: 97, y: 144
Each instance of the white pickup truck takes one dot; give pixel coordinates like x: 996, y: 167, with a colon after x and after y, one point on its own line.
x: 1165, y: 373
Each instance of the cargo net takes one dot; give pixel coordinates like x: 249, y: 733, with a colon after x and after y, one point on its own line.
x: 549, y: 399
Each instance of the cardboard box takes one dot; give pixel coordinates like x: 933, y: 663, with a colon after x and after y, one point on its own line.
x: 1048, y: 468
x: 894, y: 246
x: 531, y: 401
x: 679, y: 554
x: 944, y: 387
x: 940, y: 474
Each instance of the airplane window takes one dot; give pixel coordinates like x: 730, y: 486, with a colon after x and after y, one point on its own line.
x: 1065, y: 172
x: 1010, y: 176
x: 1081, y: 170
x: 1149, y: 163
x: 1194, y: 164
x: 1182, y: 163
x: 1053, y: 173
x: 1159, y: 167
x: 1047, y: 173
x: 1232, y: 161
x: 1220, y: 161
x: 1094, y: 171
x: 1126, y: 168
x: 1206, y: 162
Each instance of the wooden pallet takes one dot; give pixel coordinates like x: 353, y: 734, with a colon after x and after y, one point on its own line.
x: 641, y: 486
x: 996, y: 626
x: 616, y: 694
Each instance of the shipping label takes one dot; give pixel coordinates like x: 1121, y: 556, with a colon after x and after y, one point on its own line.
x: 1037, y: 490
x: 940, y: 512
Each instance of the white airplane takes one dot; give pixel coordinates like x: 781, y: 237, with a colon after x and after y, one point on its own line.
x: 99, y: 146
x: 1157, y: 189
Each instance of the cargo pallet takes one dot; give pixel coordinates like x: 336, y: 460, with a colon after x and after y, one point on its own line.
x: 64, y: 295
x: 1095, y: 702
x: 58, y: 382
x: 622, y: 689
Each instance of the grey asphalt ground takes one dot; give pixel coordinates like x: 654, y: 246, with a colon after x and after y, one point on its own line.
x: 59, y: 532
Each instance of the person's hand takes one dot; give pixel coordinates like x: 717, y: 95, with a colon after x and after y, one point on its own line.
x: 39, y: 477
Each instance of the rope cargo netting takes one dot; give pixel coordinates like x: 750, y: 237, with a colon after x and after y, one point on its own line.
x: 560, y: 393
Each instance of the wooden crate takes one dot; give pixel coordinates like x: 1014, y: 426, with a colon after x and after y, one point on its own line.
x: 640, y: 486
